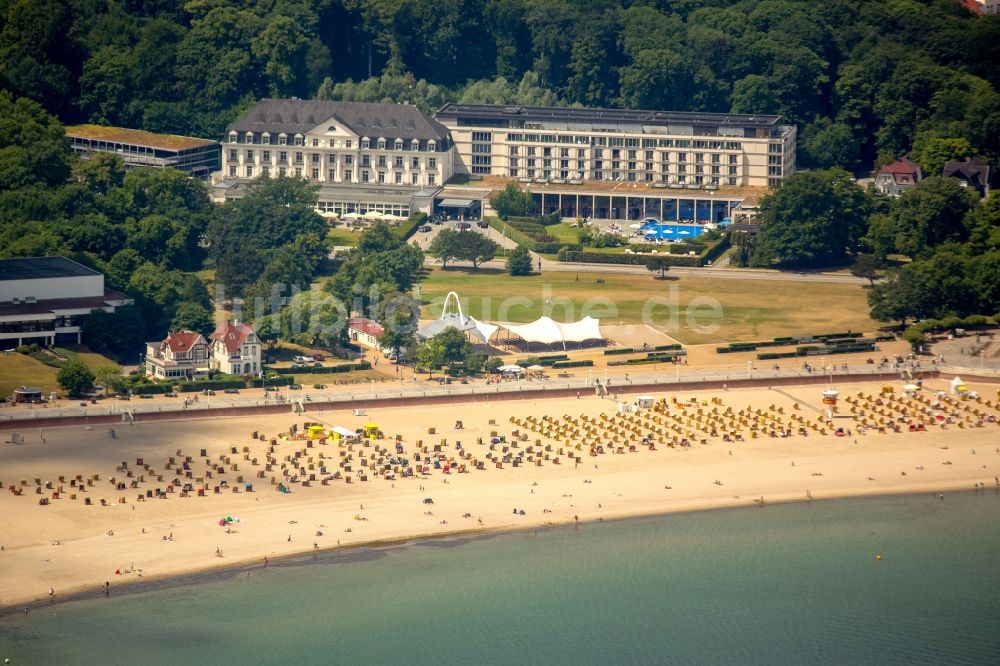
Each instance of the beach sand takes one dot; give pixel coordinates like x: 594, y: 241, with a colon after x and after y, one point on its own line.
x: 72, y: 547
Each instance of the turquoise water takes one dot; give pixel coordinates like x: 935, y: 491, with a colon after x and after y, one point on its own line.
x: 673, y: 231
x: 793, y: 584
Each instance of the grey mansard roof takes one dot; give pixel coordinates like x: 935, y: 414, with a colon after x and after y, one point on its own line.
x: 297, y: 116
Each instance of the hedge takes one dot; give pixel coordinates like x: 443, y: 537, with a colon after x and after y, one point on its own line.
x: 554, y: 248
x: 511, y: 232
x: 211, y: 384
x: 613, y: 352
x: 572, y: 364
x: 623, y: 259
x: 271, y: 382
x: 322, y: 370
x: 673, y: 347
x: 543, y: 360
x: 151, y: 389
x: 408, y: 228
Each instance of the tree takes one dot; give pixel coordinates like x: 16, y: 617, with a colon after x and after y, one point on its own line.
x: 400, y: 318
x: 75, y: 377
x: 812, y: 220
x: 110, y: 377
x: 120, y: 334
x: 445, y: 246
x: 449, y: 346
x: 475, y: 247
x: 661, y: 264
x: 519, y: 261
x: 867, y: 266
x: 193, y: 317
x: 492, y: 363
x: 932, y: 152
x: 33, y: 145
x: 511, y: 200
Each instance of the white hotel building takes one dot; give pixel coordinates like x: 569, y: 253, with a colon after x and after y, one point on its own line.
x: 365, y: 157
x: 706, y: 150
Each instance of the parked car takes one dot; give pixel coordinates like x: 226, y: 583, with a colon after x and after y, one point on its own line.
x: 424, y: 229
x: 319, y: 357
x: 464, y: 226
x: 231, y: 391
x: 482, y: 224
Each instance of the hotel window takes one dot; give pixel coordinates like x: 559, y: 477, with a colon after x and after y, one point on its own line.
x: 564, y: 152
x: 431, y: 147
x: 716, y: 158
x: 415, y: 163
x: 249, y: 155
x: 249, y: 171
x: 531, y: 173
x: 699, y: 158
x: 381, y: 143
x: 415, y: 178
x: 298, y: 140
x: 364, y: 175
x: 732, y: 181
x: 699, y: 169
x: 364, y: 144
x: 332, y: 143
x: 348, y: 143
x: 315, y: 173
x: 432, y: 163
x: 414, y: 145
x: 331, y: 158
x: 581, y: 153
x: 649, y: 166
x: 715, y: 170
x: 265, y: 170
x: 482, y: 136
x: 512, y: 150
x: 631, y: 166
x: 249, y: 138
x: 398, y: 144
x: 616, y: 164
x: 381, y: 176
x: 315, y: 142
x: 366, y: 160
x: 381, y: 161
x: 531, y: 151
x: 282, y: 140
x: 430, y: 179
x: 546, y: 152
x: 682, y: 157
x: 232, y: 137
x: 265, y: 139
x: 732, y: 159
x: 616, y: 154
x: 399, y: 161
x: 514, y: 161
x: 298, y: 172
x: 281, y: 171
x: 598, y: 152
x: 266, y: 155
x: 348, y: 159
x: 732, y: 171
x: 315, y: 158
x: 681, y: 168
x: 563, y: 164
x: 774, y: 171
x: 233, y: 155
x: 348, y: 175
x: 648, y: 177
x: 631, y: 154
x: 331, y: 175
x: 512, y: 173
x: 298, y: 158
x: 399, y: 178
x: 232, y: 169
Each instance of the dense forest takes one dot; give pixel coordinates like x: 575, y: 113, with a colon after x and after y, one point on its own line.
x: 865, y: 81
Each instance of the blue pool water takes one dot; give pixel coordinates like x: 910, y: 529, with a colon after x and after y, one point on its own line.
x: 672, y: 231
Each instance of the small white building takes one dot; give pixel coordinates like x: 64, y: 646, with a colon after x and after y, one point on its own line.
x: 235, y: 348
x: 365, y: 332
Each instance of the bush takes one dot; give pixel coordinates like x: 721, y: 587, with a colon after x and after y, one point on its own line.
x: 271, y: 381
x: 621, y: 259
x: 408, y: 228
x: 554, y: 248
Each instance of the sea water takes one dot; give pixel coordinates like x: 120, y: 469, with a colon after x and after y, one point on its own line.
x: 782, y: 584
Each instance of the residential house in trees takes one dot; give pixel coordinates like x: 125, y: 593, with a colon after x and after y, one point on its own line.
x: 972, y: 173
x: 235, y: 348
x: 894, y: 179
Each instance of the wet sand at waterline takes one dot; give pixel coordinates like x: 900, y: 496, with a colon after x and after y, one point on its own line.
x: 70, y: 546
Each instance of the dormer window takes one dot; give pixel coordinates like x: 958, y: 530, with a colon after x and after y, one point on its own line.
x: 431, y: 146
x: 249, y: 137
x: 365, y: 143
x: 265, y: 139
x: 282, y: 139
x: 299, y: 140
x: 398, y: 145
x: 381, y: 144
x: 331, y: 128
x: 232, y: 137
x: 414, y: 145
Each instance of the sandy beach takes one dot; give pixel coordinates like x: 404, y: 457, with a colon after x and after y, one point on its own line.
x: 695, y: 450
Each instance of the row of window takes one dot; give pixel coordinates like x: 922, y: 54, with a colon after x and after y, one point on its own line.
x: 633, y: 177
x: 714, y: 158
x: 364, y: 175
x: 619, y: 141
x: 364, y: 143
x: 615, y: 165
x: 398, y: 161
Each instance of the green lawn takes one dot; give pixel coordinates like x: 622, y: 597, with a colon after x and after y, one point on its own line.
x: 564, y: 232
x: 342, y: 236
x: 20, y: 370
x: 681, y: 307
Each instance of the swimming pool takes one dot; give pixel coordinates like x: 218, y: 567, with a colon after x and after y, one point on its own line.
x: 671, y: 231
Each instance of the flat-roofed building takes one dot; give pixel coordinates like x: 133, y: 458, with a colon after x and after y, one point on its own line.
x: 708, y: 150
x: 138, y: 148
x: 44, y: 300
x: 366, y: 157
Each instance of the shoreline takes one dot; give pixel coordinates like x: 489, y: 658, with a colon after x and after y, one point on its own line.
x: 74, y: 547
x: 328, y: 555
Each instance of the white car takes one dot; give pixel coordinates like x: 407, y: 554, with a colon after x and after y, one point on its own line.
x: 303, y: 359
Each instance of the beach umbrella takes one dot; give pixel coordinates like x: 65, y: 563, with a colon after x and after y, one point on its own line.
x: 536, y: 368
x: 494, y: 440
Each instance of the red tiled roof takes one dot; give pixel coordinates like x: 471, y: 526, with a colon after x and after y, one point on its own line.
x: 182, y: 341
x: 232, y: 334
x: 367, y: 326
x: 902, y: 165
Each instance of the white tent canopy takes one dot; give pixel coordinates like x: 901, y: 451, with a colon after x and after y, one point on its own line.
x: 343, y: 432
x: 547, y: 331
x: 510, y: 368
